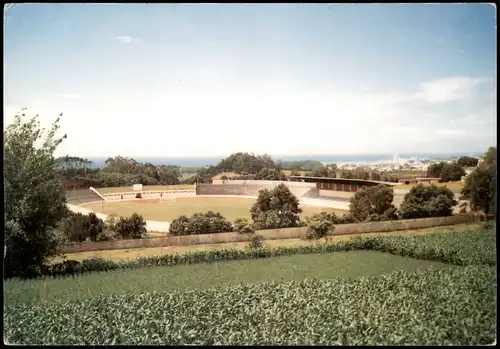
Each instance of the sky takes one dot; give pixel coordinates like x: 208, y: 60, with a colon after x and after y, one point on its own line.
x: 179, y: 80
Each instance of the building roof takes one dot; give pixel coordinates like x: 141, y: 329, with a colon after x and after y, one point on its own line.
x: 344, y: 180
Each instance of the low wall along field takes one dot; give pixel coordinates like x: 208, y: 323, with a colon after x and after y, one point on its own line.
x: 270, y: 234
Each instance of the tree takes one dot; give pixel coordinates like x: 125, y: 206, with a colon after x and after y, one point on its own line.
x: 329, y: 171
x: 270, y: 174
x: 427, y: 201
x: 467, y: 161
x: 481, y: 188
x: 133, y: 227
x: 451, y: 173
x: 277, y: 208
x: 434, y: 170
x: 319, y: 224
x: 373, y: 204
x: 490, y: 157
x: 295, y: 173
x: 34, y: 195
x: 200, y: 223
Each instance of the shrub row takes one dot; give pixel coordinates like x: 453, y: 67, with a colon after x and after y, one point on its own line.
x: 449, y: 306
x: 461, y: 248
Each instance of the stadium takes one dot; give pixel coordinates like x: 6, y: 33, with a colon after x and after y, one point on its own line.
x: 159, y: 205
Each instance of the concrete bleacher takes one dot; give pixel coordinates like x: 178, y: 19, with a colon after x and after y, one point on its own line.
x: 81, y: 196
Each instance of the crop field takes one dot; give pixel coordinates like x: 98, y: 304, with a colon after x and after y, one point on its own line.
x: 145, y: 188
x: 184, y: 277
x: 127, y: 254
x: 436, y: 289
x: 168, y: 210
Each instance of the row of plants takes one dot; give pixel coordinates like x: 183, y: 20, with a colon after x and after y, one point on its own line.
x: 78, y: 227
x: 463, y: 248
x: 447, y: 306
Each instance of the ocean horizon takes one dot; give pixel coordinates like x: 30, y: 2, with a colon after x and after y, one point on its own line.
x: 99, y: 161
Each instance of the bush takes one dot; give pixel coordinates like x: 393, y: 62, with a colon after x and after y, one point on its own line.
x: 243, y: 226
x: 318, y: 225
x: 373, y: 203
x: 277, y: 208
x: 78, y: 227
x: 200, y: 223
x: 133, y: 227
x: 427, y: 201
x: 138, y: 196
x: 255, y: 242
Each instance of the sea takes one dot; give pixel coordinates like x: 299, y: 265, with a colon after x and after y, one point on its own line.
x: 99, y: 162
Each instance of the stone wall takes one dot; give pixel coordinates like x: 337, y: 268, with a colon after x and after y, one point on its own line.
x: 270, y: 234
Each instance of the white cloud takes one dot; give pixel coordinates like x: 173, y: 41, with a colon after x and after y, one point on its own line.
x: 450, y: 132
x: 448, y: 89
x: 68, y: 95
x: 128, y: 39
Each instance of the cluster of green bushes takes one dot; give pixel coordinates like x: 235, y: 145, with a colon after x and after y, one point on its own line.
x: 461, y: 248
x: 77, y: 227
x: 200, y: 223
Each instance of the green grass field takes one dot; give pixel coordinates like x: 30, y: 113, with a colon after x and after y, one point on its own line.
x: 184, y: 277
x: 168, y: 210
x: 145, y: 188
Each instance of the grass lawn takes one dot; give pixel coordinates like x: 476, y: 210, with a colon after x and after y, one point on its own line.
x: 455, y: 187
x: 158, y: 251
x: 154, y: 210
x: 296, y: 267
x: 145, y: 188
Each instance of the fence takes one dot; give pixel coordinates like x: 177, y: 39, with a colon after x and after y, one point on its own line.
x: 270, y: 234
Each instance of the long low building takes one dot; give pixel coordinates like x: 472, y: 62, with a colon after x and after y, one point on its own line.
x: 339, y: 184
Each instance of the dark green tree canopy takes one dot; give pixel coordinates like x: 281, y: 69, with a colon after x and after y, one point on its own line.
x: 373, y: 204
x: 427, y: 201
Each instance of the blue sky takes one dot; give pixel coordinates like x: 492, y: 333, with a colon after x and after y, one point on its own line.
x: 287, y: 79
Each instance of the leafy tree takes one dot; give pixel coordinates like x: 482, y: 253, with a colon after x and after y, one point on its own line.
x: 246, y: 162
x: 270, y: 174
x: 467, y: 161
x: 361, y: 173
x: 200, y: 223
x: 434, y: 170
x: 243, y: 226
x: 490, y: 157
x: 78, y: 227
x: 277, y: 208
x: 34, y: 195
x: 373, y: 203
x: 375, y: 176
x: 319, y: 224
x: 347, y: 174
x: 133, y: 227
x: 481, y: 188
x: 295, y: 173
x: 427, y: 201
x: 256, y: 242
x: 329, y: 171
x: 451, y: 173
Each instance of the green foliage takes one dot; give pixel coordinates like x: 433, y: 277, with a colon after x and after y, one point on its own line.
x: 34, y: 196
x: 467, y: 161
x: 270, y: 174
x: 200, y: 223
x: 255, y: 242
x: 245, y: 162
x: 451, y: 306
x: 243, y: 226
x: 78, y: 227
x: 301, y: 165
x: 133, y: 227
x: 276, y: 208
x: 490, y: 157
x: 329, y: 171
x: 427, y: 201
x: 460, y: 248
x: 434, y: 170
x: 481, y: 188
x: 451, y: 173
x: 318, y: 225
x: 373, y: 204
